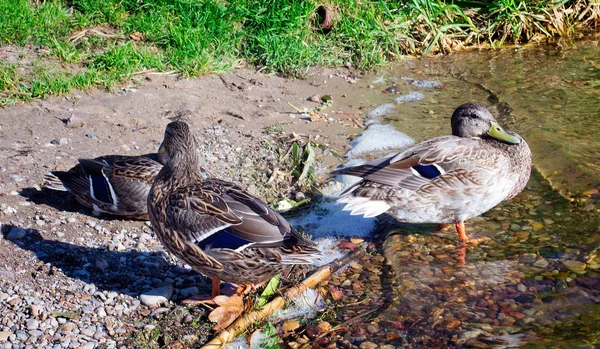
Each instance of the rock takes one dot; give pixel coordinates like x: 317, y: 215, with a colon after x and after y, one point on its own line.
x: 314, y: 98
x: 14, y: 301
x: 574, y: 265
x: 75, y: 120
x: 69, y: 326
x: 88, y: 345
x: 470, y: 334
x: 157, y: 296
x: 101, y: 264
x: 541, y: 263
x: 35, y: 310
x: 91, y: 135
x: 190, y: 291
x: 16, y: 233
x: 4, y: 336
x: 367, y: 345
x: 290, y: 325
x: 372, y: 328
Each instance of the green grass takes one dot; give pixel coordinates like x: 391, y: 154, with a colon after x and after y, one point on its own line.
x: 55, y: 46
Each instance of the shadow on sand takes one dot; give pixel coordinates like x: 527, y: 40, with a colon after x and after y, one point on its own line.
x: 128, y: 272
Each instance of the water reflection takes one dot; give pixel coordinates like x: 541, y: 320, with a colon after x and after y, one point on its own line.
x: 536, y: 281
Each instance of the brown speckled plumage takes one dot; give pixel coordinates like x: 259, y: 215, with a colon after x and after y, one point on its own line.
x: 111, y: 184
x: 447, y: 179
x: 215, y: 226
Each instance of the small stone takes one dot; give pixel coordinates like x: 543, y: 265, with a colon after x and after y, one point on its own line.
x: 372, y: 328
x: 573, y: 265
x: 541, y: 263
x: 101, y: 264
x: 32, y: 324
x: 4, y: 335
x: 367, y: 345
x: 470, y: 334
x: 190, y: 291
x: 14, y: 301
x: 35, y: 310
x: 88, y: 345
x: 290, y: 325
x: 521, y: 288
x: 157, y: 296
x: 69, y: 326
x: 91, y: 135
x: 16, y: 233
x: 75, y: 120
x: 315, y: 98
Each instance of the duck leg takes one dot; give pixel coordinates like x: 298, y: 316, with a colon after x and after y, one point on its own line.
x: 462, y: 235
x: 205, y: 299
x: 216, y: 290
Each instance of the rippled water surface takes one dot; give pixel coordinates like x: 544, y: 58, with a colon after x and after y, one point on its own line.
x: 535, y: 282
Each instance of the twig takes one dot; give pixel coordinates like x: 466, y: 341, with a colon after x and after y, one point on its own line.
x: 241, y: 324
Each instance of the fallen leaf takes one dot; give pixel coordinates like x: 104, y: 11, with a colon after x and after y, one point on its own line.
x: 137, y: 36
x: 230, y: 308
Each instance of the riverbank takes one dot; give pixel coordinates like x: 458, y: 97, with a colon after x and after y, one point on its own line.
x: 53, y: 47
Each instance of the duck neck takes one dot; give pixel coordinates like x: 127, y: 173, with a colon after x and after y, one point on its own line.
x: 185, y: 166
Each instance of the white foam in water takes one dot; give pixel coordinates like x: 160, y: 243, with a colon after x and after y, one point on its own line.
x: 328, y: 220
x: 303, y: 306
x: 378, y: 137
x: 381, y: 110
x: 409, y: 97
x: 327, y: 248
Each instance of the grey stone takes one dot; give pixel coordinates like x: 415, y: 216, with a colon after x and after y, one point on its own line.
x: 157, y: 296
x: 16, y: 233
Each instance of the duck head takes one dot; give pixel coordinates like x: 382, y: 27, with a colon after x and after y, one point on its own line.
x: 473, y: 120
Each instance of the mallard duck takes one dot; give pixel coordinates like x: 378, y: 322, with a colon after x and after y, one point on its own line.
x: 215, y: 226
x: 111, y: 184
x: 446, y: 179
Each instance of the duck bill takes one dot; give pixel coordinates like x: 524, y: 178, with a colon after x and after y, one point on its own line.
x: 498, y: 132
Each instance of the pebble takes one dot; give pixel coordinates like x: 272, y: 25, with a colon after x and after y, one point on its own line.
x: 157, y: 296
x: 75, y: 120
x: 32, y: 324
x: 4, y: 335
x: 367, y: 345
x: 314, y: 98
x: 190, y: 291
x: 541, y: 263
x: 16, y: 233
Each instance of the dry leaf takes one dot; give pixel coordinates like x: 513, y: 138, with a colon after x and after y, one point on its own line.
x: 230, y: 308
x: 137, y: 36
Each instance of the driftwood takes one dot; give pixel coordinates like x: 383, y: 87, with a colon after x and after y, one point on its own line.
x: 255, y: 316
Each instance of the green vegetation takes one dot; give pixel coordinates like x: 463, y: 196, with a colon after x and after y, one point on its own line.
x: 55, y: 46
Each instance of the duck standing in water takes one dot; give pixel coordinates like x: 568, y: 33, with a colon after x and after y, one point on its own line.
x: 216, y: 227
x: 447, y: 179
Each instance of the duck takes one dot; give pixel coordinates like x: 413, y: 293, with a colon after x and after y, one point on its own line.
x: 447, y: 179
x: 215, y: 226
x: 116, y: 185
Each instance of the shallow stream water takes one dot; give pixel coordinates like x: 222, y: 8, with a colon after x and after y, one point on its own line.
x: 536, y: 281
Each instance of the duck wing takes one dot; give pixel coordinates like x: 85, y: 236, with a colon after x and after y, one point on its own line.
x: 447, y: 158
x: 219, y: 214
